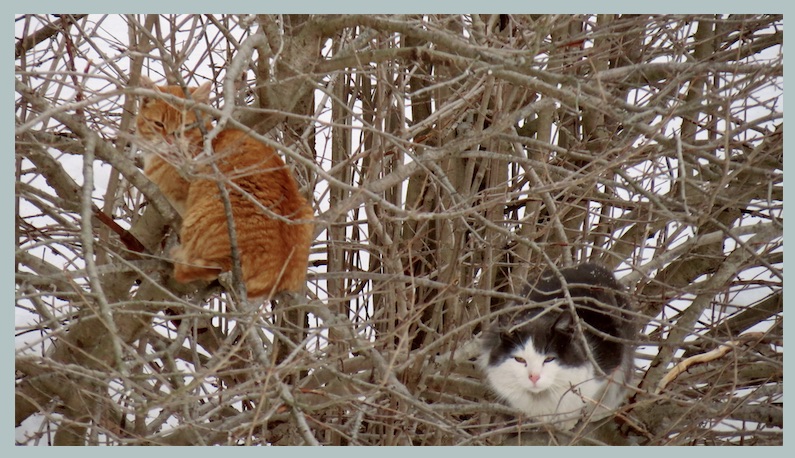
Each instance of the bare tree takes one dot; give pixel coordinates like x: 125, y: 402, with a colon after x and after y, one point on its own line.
x: 449, y: 159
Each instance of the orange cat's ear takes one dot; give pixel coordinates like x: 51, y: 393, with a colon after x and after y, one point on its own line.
x: 202, y: 93
x: 146, y: 83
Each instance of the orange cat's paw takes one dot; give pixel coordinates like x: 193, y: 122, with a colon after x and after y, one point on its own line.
x: 177, y: 254
x: 187, y: 270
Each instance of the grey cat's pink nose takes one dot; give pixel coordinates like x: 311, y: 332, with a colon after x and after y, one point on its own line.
x: 534, y: 378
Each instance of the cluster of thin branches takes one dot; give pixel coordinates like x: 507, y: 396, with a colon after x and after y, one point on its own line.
x: 450, y: 159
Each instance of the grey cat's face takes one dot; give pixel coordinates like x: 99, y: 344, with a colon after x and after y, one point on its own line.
x: 539, y: 369
x: 549, y: 333
x: 544, y: 343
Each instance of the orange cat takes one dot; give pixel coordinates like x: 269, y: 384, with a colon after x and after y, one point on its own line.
x: 273, y: 222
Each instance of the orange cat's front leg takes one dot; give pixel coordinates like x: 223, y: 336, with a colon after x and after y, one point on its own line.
x: 188, y: 269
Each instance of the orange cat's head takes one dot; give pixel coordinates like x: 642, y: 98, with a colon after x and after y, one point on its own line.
x: 162, y: 121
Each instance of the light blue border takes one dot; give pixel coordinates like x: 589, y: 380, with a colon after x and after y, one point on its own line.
x: 363, y: 7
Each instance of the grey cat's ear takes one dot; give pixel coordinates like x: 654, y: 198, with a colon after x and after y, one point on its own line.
x: 202, y: 93
x: 491, y: 338
x: 564, y: 323
x: 500, y: 334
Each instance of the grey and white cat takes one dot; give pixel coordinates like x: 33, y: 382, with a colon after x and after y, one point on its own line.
x: 555, y: 365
